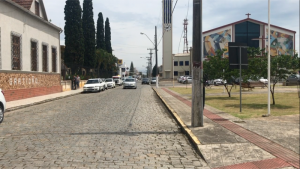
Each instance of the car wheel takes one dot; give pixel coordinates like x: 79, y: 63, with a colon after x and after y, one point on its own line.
x: 1, y: 114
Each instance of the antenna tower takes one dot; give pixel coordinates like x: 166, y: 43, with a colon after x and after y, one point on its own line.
x: 186, y: 45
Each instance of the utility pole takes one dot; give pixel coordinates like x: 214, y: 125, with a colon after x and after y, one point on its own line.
x: 156, y: 71
x: 197, y: 90
x: 150, y: 59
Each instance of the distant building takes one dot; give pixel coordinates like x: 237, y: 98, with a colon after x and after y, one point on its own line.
x: 182, y: 64
x: 30, y: 61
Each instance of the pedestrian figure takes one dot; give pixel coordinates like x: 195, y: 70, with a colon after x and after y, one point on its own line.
x: 74, y: 83
x: 78, y: 81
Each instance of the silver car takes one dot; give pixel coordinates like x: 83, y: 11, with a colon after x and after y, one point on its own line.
x: 129, y: 83
x: 110, y: 83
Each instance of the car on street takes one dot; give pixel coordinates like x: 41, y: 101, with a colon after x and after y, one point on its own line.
x: 153, y: 80
x: 102, y: 80
x: 2, y: 105
x: 263, y: 80
x: 110, y: 83
x: 218, y: 82
x: 293, y: 79
x: 129, y: 83
x: 93, y: 85
x: 188, y: 80
x: 118, y: 80
x: 145, y: 81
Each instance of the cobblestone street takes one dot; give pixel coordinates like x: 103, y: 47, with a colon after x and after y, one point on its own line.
x: 116, y: 128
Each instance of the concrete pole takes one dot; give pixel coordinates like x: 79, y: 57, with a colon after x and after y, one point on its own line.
x: 197, y: 95
x: 156, y: 71
x: 269, y: 60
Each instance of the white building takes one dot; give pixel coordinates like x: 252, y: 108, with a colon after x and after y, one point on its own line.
x: 167, y: 70
x: 29, y: 49
x: 182, y: 64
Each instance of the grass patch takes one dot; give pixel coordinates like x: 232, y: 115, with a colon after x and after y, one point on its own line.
x: 253, y: 105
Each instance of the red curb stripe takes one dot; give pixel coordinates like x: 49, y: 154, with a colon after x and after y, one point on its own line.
x: 273, y: 148
x: 264, y: 164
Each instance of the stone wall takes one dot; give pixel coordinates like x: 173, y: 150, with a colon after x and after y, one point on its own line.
x: 20, y: 85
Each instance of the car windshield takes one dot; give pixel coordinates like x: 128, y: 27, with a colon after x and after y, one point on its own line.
x: 108, y: 80
x: 153, y: 78
x: 145, y: 79
x: 116, y: 77
x: 92, y: 81
x: 129, y: 80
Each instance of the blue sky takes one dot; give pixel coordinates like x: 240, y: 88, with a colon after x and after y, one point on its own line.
x: 130, y: 17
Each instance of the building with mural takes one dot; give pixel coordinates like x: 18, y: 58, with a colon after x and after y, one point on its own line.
x: 252, y: 32
x: 30, y: 62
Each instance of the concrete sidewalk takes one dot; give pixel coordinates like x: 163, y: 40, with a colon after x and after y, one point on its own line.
x: 18, y: 104
x: 229, y: 142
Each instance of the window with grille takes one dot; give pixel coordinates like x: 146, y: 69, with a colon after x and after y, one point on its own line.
x: 180, y: 63
x: 53, y: 59
x: 175, y: 63
x: 37, y: 8
x: 175, y: 73
x: 187, y: 63
x: 34, y: 65
x: 16, y: 52
x: 45, y: 58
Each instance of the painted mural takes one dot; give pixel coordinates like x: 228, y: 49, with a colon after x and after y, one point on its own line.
x: 217, y: 41
x: 281, y: 44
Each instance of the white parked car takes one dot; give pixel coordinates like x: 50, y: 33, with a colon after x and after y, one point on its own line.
x: 262, y: 79
x: 110, y: 83
x: 218, y: 82
x: 105, y: 84
x: 93, y: 85
x: 129, y: 83
x: 2, y: 105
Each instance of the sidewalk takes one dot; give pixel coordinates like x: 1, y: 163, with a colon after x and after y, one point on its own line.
x: 228, y: 142
x: 18, y: 104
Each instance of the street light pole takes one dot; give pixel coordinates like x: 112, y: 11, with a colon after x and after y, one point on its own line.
x: 269, y: 60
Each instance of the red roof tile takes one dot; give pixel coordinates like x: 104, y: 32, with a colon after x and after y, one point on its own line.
x: 24, y: 3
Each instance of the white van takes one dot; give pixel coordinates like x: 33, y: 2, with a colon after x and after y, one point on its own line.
x: 118, y: 80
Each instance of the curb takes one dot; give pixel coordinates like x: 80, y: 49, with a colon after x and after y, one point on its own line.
x: 192, y: 138
x: 39, y: 102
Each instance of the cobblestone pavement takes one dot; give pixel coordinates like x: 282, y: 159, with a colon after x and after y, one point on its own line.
x: 113, y: 129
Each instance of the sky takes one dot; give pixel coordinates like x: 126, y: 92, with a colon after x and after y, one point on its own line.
x: 128, y: 18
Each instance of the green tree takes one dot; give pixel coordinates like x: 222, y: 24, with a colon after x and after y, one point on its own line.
x: 154, y: 71
x: 215, y: 67
x: 107, y: 36
x: 74, y: 41
x: 281, y: 67
x: 105, y: 63
x: 131, y: 69
x: 88, y: 27
x: 100, y: 32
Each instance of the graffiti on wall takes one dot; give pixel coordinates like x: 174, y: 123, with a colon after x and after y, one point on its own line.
x: 9, y: 81
x: 217, y: 41
x: 281, y: 44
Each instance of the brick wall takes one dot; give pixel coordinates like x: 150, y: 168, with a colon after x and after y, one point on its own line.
x: 17, y: 94
x: 21, y: 85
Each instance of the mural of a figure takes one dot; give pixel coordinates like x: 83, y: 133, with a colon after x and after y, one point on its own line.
x: 281, y: 44
x: 217, y: 41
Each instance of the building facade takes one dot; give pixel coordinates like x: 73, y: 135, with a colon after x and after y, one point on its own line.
x: 182, y: 64
x: 167, y: 39
x: 252, y: 32
x: 30, y: 61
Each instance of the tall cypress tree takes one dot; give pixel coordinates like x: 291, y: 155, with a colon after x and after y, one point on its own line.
x: 88, y: 27
x: 100, y: 32
x: 131, y: 70
x: 107, y: 36
x: 74, y: 51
